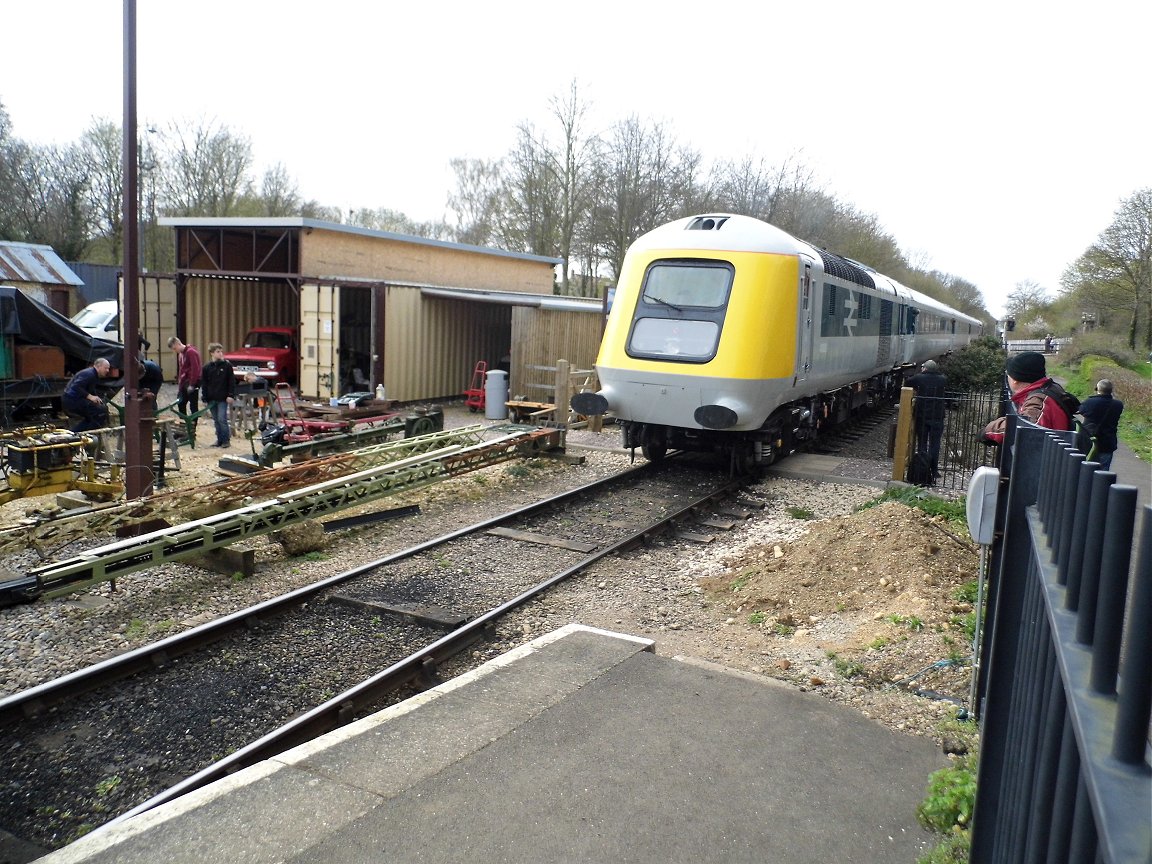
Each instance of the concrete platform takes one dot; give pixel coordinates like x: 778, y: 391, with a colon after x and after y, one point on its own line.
x: 583, y: 745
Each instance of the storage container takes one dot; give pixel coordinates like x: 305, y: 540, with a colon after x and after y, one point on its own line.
x: 44, y: 360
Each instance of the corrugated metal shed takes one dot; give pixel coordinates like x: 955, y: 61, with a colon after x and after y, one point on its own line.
x: 32, y: 262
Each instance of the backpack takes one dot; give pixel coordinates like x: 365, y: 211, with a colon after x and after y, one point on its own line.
x: 1067, y: 401
x: 1083, y: 433
x: 919, y: 470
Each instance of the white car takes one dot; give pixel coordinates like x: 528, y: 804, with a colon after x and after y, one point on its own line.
x: 100, y: 319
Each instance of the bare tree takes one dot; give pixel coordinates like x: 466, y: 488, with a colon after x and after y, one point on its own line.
x: 396, y: 222
x: 643, y: 179
x: 1025, y: 299
x: 100, y: 149
x: 278, y: 193
x: 572, y: 173
x: 752, y: 187
x: 476, y: 200
x: 529, y: 214
x: 206, y: 170
x: 48, y: 198
x: 11, y: 154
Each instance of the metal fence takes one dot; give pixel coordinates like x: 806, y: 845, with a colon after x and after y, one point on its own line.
x: 961, y: 449
x: 1065, y: 672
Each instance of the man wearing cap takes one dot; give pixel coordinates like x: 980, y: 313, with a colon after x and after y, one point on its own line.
x: 929, y: 386
x: 1032, y: 395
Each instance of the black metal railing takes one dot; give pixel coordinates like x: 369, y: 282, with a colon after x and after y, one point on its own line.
x: 1065, y: 688
x: 965, y: 414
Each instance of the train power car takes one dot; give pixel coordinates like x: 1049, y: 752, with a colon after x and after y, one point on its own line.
x: 727, y: 334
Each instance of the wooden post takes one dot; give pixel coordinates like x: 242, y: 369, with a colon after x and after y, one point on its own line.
x: 903, y: 435
x: 563, y: 391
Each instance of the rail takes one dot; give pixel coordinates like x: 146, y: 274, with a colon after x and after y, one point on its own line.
x: 1065, y: 694
x: 199, y: 536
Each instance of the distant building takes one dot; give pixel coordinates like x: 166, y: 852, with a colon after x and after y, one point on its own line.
x: 371, y: 306
x: 41, y: 274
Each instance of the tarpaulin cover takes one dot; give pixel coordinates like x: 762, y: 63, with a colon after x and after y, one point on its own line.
x: 30, y: 322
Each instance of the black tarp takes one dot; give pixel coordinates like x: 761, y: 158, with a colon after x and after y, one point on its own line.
x: 30, y: 322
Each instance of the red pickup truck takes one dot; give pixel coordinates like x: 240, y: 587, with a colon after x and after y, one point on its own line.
x: 270, y: 352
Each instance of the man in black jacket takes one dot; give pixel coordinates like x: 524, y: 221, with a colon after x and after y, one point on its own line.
x: 929, y: 386
x: 1101, y: 415
x: 218, y: 387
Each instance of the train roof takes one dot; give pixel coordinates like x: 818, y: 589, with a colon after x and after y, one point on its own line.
x: 723, y: 232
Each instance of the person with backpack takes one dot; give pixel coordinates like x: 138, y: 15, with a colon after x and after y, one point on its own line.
x: 1037, y: 397
x: 1101, y: 414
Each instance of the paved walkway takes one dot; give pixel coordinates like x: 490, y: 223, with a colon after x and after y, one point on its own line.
x: 580, y: 746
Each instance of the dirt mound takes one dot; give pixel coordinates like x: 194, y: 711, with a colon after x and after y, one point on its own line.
x: 878, y: 596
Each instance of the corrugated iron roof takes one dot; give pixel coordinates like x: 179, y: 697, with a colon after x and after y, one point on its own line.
x: 32, y: 262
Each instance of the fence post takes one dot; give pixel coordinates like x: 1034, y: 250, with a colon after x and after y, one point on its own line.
x: 903, y: 435
x: 1023, y: 449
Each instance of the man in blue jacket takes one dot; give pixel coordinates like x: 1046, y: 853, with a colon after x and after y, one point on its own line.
x: 1101, y: 414
x: 82, y: 396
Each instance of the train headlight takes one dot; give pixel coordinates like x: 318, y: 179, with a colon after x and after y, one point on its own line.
x: 715, y: 416
x: 589, y: 404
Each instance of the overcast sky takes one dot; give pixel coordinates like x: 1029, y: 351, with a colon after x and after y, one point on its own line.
x: 994, y: 141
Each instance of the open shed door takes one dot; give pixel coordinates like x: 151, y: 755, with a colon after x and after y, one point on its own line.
x: 319, y: 341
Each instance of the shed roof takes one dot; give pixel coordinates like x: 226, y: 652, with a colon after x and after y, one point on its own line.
x: 33, y: 262
x: 319, y: 224
x: 512, y: 298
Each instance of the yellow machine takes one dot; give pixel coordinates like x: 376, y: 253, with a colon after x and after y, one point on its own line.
x: 41, y: 460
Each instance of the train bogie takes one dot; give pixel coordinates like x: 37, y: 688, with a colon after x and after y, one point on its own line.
x: 729, y: 334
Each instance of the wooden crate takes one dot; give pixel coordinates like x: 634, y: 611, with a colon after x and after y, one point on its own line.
x: 44, y: 360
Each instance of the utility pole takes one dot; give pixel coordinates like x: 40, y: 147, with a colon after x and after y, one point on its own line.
x: 138, y: 421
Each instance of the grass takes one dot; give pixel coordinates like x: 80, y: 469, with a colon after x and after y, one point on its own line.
x: 1133, y: 386
x: 105, y: 786
x: 951, y: 796
x: 845, y: 668
x: 951, y: 511
x: 911, y: 622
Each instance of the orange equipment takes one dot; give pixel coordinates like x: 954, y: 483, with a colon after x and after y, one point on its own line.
x: 474, y: 395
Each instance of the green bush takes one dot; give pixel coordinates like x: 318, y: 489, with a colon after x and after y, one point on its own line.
x: 1101, y: 344
x: 951, y: 797
x: 978, y: 366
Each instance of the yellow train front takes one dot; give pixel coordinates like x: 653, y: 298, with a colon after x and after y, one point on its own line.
x: 727, y: 334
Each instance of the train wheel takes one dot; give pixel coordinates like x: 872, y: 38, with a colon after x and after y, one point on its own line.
x: 654, y: 452
x: 653, y: 444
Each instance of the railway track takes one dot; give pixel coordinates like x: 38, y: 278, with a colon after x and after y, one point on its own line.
x: 131, y: 732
